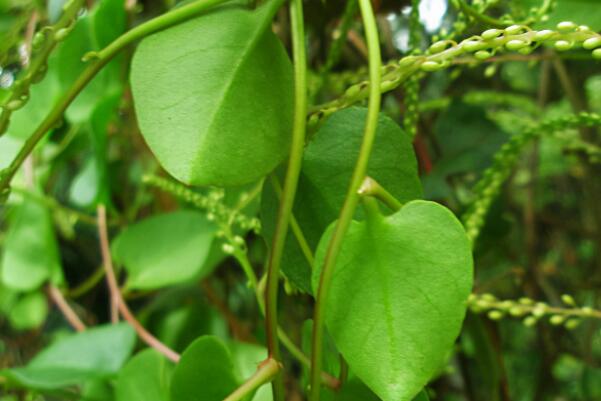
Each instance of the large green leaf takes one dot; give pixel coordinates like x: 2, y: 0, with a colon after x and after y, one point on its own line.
x: 145, y: 377
x: 164, y: 250
x: 204, y: 373
x: 94, y: 353
x: 213, y: 96
x: 398, y: 296
x: 30, y: 252
x: 326, y: 174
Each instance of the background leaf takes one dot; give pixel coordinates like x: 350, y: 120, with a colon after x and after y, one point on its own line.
x: 30, y: 253
x: 164, y: 250
x: 95, y: 353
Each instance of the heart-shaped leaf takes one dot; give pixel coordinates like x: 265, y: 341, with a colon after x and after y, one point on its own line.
x: 145, y: 377
x: 328, y: 163
x: 164, y: 250
x: 205, y: 372
x: 398, y: 296
x: 213, y: 96
x: 209, y: 370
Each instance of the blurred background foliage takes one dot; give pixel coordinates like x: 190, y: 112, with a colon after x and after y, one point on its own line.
x: 541, y: 240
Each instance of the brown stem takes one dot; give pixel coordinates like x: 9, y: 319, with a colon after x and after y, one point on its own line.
x: 107, y: 262
x: 62, y: 304
x: 111, y: 279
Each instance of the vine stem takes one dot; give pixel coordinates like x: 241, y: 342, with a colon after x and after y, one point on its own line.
x: 371, y: 187
x: 116, y: 297
x: 101, y: 58
x: 57, y: 297
x: 289, y: 191
x: 352, y: 197
x: 266, y: 372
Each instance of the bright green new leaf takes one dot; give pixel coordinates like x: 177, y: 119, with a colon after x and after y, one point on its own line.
x: 145, y: 377
x: 213, y: 96
x: 398, y: 296
x: 30, y: 252
x: 95, y: 353
x: 328, y: 163
x: 204, y: 373
x: 164, y: 250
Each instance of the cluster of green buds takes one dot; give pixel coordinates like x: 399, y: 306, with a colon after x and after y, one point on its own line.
x: 531, y: 312
x: 43, y: 43
x: 212, y: 202
x: 516, y: 38
x: 444, y: 53
x: 506, y: 158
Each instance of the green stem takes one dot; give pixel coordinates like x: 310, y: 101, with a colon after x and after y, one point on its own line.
x: 87, y: 285
x: 370, y: 187
x: 101, y: 58
x: 352, y: 197
x: 55, y: 205
x: 289, y: 192
x: 497, y: 23
x: 295, y: 351
x: 468, y: 10
x: 266, y: 372
x: 295, y: 227
x: 336, y: 48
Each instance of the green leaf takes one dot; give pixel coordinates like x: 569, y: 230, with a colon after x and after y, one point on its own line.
x: 213, y: 96
x: 475, y: 141
x: 30, y: 254
x: 145, y: 377
x: 29, y: 311
x: 95, y: 353
x: 204, y: 373
x: 354, y: 390
x: 164, y: 250
x: 398, y: 296
x: 326, y: 174
x: 330, y: 360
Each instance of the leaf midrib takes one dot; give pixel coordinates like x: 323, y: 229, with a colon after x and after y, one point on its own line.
x: 261, y: 27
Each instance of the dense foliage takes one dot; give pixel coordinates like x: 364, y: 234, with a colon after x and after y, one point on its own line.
x: 349, y: 200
